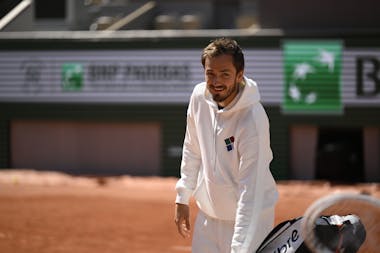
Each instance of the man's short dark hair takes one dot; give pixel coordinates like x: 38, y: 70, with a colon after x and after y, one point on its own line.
x: 223, y: 46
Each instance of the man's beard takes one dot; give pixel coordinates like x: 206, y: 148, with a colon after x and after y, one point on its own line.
x: 218, y: 97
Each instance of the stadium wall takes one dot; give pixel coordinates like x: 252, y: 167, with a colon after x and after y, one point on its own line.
x: 120, y: 94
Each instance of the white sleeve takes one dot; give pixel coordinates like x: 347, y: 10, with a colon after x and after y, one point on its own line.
x: 255, y: 157
x: 191, y: 160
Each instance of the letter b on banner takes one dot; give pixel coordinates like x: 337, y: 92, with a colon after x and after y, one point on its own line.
x: 367, y: 76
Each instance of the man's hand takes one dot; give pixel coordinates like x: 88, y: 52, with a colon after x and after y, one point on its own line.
x: 182, y: 219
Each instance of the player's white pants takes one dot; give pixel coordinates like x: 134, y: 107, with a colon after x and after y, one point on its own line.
x: 215, y: 236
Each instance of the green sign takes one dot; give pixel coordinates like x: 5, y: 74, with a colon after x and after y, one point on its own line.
x: 72, y: 76
x: 312, y: 76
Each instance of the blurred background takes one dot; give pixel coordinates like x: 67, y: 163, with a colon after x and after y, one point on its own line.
x: 100, y: 87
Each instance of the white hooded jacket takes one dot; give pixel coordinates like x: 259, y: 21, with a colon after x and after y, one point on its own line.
x: 225, y: 162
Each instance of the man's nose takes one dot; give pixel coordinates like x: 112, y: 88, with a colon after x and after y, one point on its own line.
x: 215, y: 80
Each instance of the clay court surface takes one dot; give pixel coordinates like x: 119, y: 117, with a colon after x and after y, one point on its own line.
x: 54, y: 212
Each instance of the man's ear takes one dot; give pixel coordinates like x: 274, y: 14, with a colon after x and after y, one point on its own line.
x: 240, y: 76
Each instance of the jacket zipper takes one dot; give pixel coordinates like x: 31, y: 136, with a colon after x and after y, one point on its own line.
x: 215, y: 134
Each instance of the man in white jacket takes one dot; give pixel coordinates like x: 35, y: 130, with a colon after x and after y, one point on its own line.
x: 226, y: 157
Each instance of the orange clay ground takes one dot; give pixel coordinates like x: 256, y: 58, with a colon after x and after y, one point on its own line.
x: 48, y: 212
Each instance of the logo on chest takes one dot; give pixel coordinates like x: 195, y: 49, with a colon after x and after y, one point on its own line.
x: 229, y: 143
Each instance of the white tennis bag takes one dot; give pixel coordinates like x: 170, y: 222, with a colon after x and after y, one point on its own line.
x: 344, y: 234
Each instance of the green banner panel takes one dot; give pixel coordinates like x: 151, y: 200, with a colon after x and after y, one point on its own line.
x: 72, y: 77
x: 312, y: 73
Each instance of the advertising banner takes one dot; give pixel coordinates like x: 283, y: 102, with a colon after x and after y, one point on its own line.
x: 312, y: 71
x: 304, y: 76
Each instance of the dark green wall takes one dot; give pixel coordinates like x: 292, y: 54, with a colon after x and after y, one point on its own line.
x: 172, y: 119
x: 173, y: 122
x: 358, y: 117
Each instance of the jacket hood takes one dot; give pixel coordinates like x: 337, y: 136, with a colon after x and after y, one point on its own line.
x: 248, y: 95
